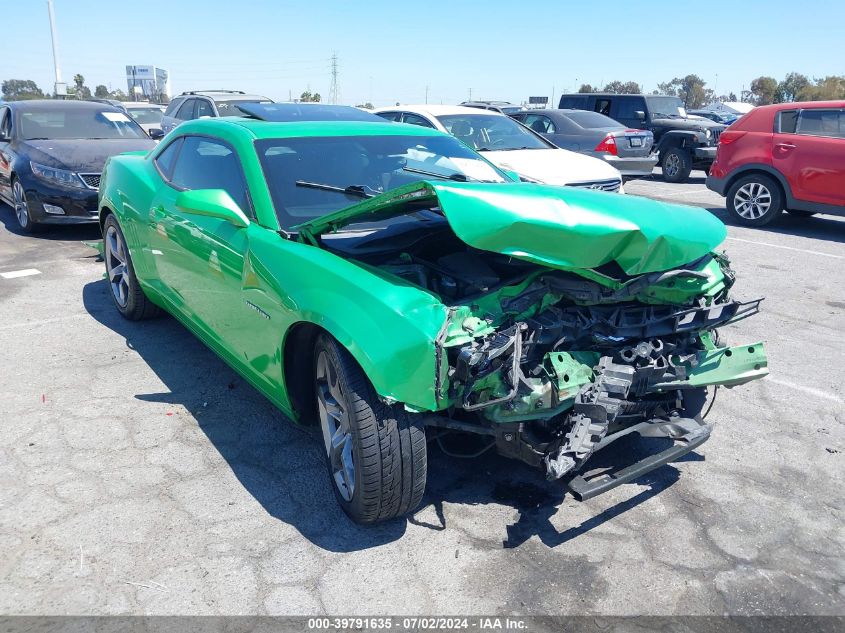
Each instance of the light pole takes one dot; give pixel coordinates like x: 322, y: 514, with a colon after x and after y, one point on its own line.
x: 60, y: 87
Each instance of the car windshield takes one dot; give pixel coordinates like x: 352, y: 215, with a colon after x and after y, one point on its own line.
x: 146, y: 115
x: 666, y: 106
x: 491, y: 132
x: 230, y: 108
x: 77, y: 124
x: 591, y: 120
x: 311, y: 177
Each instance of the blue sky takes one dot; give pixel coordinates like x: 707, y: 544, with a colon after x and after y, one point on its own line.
x: 389, y: 51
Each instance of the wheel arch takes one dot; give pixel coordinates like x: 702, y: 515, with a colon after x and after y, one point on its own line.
x: 298, y: 369
x: 765, y: 170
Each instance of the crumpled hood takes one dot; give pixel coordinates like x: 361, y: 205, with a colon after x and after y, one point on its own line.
x: 558, y: 227
x: 553, y: 166
x: 84, y: 155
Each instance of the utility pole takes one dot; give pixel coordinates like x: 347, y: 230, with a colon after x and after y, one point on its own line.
x: 470, y: 94
x: 426, y: 93
x: 333, y: 96
x: 60, y: 88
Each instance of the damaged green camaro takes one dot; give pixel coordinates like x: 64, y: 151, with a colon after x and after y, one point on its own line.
x: 392, y: 286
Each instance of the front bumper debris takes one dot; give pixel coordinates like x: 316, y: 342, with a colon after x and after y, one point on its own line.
x: 688, y: 434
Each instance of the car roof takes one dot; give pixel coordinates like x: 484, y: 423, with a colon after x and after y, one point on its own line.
x: 229, y: 95
x: 801, y: 105
x: 290, y: 112
x: 302, y: 129
x: 439, y: 110
x: 141, y: 104
x: 55, y: 105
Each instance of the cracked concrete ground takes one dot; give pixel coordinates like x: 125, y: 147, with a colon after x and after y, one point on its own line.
x: 140, y: 475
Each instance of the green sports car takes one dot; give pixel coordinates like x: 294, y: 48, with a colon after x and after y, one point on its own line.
x: 386, y: 282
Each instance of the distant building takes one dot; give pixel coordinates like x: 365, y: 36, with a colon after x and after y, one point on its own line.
x: 148, y: 83
x: 730, y: 107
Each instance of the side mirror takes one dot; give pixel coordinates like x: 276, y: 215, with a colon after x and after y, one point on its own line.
x: 212, y: 203
x: 156, y: 133
x: 640, y: 115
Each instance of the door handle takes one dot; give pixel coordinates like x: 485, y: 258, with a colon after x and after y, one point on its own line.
x: 785, y: 145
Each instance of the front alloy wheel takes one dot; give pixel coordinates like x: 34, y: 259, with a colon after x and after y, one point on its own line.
x: 375, y: 452
x: 115, y: 252
x: 21, y: 208
x: 126, y: 292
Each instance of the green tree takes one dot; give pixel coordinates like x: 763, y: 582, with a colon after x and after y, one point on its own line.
x: 101, y: 92
x: 764, y: 90
x: 830, y: 88
x: 366, y: 106
x: 689, y: 89
x: 623, y: 88
x: 20, y: 89
x: 79, y: 89
x: 791, y: 86
x: 586, y: 88
x: 307, y: 97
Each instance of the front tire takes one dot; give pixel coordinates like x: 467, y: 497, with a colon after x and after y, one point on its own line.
x: 126, y: 292
x: 25, y: 221
x: 676, y: 164
x: 755, y: 200
x: 375, y: 452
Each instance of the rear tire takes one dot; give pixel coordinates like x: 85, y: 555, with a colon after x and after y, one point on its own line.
x: 676, y: 164
x: 126, y: 292
x: 375, y: 452
x: 755, y: 200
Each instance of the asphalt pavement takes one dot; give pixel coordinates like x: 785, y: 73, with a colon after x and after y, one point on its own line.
x: 140, y: 475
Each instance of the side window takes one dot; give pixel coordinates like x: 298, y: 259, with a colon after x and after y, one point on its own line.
x: 186, y: 112
x: 204, y: 163
x: 5, y: 124
x: 786, y: 122
x: 626, y: 108
x: 203, y: 109
x: 602, y: 106
x: 165, y: 160
x: 573, y: 103
x: 414, y: 119
x: 390, y: 116
x: 539, y: 123
x: 819, y: 122
x: 173, y: 106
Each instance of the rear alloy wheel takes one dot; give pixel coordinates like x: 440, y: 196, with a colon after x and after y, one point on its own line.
x: 676, y: 164
x: 375, y: 452
x: 755, y: 200
x: 21, y: 207
x: 128, y: 297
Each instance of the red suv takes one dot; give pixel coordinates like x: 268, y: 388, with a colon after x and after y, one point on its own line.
x: 787, y: 156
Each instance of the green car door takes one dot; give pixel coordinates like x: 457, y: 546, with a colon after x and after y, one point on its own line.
x: 198, y: 258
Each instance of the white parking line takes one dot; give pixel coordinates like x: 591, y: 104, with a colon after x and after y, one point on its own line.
x: 20, y: 273
x: 788, y: 248
x: 31, y: 324
x: 817, y: 393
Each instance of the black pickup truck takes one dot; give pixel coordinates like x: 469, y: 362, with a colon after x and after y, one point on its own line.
x: 683, y: 142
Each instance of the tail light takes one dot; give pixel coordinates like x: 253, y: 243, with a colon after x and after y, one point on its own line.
x: 607, y: 145
x: 727, y: 137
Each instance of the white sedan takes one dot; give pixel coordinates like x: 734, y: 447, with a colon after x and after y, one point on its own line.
x: 511, y: 146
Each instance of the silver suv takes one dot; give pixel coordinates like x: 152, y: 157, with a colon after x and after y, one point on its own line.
x: 206, y: 103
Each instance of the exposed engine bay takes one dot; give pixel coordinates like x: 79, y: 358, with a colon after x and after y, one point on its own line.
x: 555, y: 364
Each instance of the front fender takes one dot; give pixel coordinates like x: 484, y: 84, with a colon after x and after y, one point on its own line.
x: 389, y: 326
